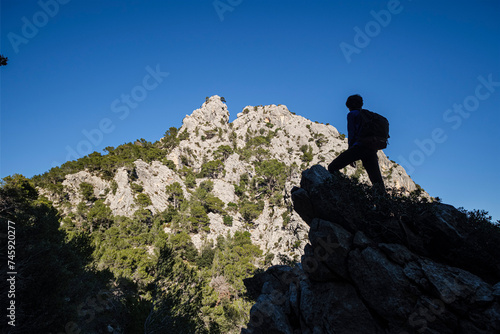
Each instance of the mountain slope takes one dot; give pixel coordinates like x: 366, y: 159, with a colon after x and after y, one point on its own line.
x: 252, y: 162
x: 166, y: 232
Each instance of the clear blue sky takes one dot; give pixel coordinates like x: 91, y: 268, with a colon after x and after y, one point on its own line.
x: 123, y: 70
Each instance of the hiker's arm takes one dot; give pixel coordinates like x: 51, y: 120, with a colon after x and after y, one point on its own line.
x: 351, y: 129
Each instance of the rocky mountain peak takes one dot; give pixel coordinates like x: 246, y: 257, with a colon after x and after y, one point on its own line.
x: 229, y: 155
x: 278, y: 115
x: 213, y: 112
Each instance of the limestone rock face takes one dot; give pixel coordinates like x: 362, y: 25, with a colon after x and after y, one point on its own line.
x: 213, y: 111
x: 364, y: 273
x: 122, y: 202
x: 288, y: 137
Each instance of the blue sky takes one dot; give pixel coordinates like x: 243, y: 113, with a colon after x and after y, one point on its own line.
x: 84, y: 75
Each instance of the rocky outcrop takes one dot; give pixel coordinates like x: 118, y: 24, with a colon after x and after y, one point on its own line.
x: 208, y: 128
x: 212, y: 112
x: 379, y: 264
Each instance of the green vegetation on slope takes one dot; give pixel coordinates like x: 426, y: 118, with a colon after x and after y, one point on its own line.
x: 124, y: 272
x: 88, y: 269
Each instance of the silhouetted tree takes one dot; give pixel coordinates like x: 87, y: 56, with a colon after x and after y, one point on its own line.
x: 48, y: 266
x: 3, y: 60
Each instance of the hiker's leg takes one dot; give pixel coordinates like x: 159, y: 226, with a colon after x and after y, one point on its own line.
x: 370, y: 162
x: 345, y: 158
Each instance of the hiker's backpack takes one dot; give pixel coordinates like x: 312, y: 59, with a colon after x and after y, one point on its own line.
x: 374, y: 132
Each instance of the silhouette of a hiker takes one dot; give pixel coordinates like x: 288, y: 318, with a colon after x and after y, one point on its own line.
x: 356, y: 150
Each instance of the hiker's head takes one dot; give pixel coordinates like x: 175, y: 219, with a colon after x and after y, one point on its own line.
x: 354, y: 102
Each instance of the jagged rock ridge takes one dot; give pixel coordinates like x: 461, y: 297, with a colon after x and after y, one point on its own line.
x: 207, y: 128
x: 369, y: 268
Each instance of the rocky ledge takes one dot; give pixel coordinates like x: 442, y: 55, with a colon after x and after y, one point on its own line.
x: 380, y: 264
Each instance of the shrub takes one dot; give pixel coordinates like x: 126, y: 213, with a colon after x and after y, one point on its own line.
x: 199, y: 218
x: 190, y: 180
x: 286, y: 218
x: 100, y: 215
x: 87, y: 191
x: 307, y: 155
x: 184, y: 247
x: 169, y: 163
x: 114, y: 187
x: 212, y: 169
x: 184, y: 135
x: 175, y: 194
x: 170, y: 139
x: 268, y: 259
x: 239, y: 190
x: 143, y: 200
x: 232, y: 206
x: 136, y: 188
x: 206, y: 257
x: 273, y: 173
x: 251, y: 211
x: 214, y: 204
x: 228, y: 220
x: 223, y: 152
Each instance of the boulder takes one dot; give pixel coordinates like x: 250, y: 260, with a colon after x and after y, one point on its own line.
x: 377, y: 264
